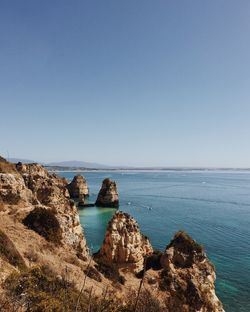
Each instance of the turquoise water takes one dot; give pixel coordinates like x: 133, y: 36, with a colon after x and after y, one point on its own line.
x: 213, y: 207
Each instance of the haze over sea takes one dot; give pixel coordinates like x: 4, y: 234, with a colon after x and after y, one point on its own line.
x: 212, y: 206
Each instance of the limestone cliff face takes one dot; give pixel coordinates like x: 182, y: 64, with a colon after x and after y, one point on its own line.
x: 49, y: 189
x: 123, y: 242
x: 78, y: 187
x: 13, y: 189
x: 188, y: 277
x: 108, y: 195
x: 32, y: 188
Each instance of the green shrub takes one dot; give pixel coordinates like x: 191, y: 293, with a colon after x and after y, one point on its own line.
x: 44, y: 222
x: 183, y: 242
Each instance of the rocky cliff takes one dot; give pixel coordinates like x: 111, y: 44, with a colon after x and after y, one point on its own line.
x: 30, y: 193
x: 108, y: 195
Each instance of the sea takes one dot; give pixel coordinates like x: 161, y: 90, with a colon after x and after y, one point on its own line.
x: 212, y: 206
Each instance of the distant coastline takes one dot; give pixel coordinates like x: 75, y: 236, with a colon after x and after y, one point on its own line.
x: 143, y: 169
x: 76, y: 166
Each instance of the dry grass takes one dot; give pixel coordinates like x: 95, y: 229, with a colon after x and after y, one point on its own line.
x: 39, y: 290
x: 7, y: 167
x: 9, y: 252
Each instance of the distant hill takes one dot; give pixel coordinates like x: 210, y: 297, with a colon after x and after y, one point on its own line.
x: 65, y: 164
x: 24, y: 161
x: 77, y: 164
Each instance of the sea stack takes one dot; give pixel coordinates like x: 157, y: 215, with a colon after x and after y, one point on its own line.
x: 108, y: 195
x: 124, y: 243
x: 78, y: 187
x: 188, y: 276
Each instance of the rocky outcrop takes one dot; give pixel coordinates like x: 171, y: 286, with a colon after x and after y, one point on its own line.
x: 78, y: 187
x: 124, y: 243
x: 49, y: 189
x: 13, y: 189
x: 108, y: 195
x: 12, y: 186
x: 30, y: 189
x: 188, y: 277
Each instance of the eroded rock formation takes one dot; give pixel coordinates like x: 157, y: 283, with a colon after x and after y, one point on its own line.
x: 188, y: 277
x: 13, y: 189
x: 78, y: 187
x: 49, y: 189
x: 124, y: 243
x: 108, y: 195
x: 182, y: 276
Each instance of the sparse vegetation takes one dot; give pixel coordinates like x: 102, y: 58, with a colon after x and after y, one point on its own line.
x: 39, y: 290
x: 7, y: 167
x: 44, y: 222
x: 111, y: 272
x: 93, y: 273
x: 183, y: 242
x: 165, y: 280
x: 9, y: 252
x: 146, y: 303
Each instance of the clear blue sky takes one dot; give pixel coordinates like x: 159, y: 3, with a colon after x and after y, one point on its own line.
x: 163, y: 82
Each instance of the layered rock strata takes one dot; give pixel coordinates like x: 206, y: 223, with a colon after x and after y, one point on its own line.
x: 108, y: 195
